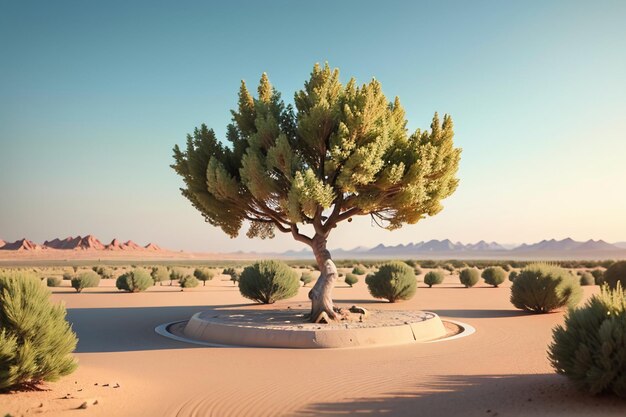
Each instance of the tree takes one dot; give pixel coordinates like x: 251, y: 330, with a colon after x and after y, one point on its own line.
x: 343, y: 151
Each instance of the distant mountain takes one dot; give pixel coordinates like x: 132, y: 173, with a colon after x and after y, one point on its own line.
x: 21, y: 245
x: 2, y: 243
x: 620, y: 245
x: 88, y: 242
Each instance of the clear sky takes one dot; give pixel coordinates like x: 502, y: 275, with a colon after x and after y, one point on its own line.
x: 93, y: 96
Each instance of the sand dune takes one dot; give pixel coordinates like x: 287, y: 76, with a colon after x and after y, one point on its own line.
x: 500, y: 370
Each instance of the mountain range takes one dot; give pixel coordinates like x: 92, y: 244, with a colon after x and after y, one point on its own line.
x: 88, y: 242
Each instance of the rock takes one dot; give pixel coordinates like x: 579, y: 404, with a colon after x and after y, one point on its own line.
x: 83, y: 406
x: 359, y: 310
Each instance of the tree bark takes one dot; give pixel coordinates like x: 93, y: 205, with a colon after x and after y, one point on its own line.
x: 322, y: 308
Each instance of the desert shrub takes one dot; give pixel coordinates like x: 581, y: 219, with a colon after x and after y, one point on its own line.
x: 159, y: 274
x: 513, y: 275
x: 36, y: 341
x: 417, y: 271
x: 359, y: 270
x: 448, y: 267
x: 598, y: 276
x: 541, y: 288
x: 176, y: 274
x: 188, y: 281
x: 87, y: 279
x: 53, y: 281
x: 103, y: 271
x: 494, y: 275
x: 429, y: 264
x: 469, y: 277
x: 203, y: 274
x: 135, y: 280
x: 268, y: 281
x: 67, y: 276
x: 394, y: 281
x: 351, y: 279
x: 433, y: 278
x: 590, y: 348
x: 616, y: 273
x: 306, y: 278
x: 587, y: 279
x: 233, y: 273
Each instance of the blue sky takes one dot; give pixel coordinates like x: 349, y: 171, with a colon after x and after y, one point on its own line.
x: 93, y: 96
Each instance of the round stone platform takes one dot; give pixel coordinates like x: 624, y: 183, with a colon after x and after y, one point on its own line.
x: 289, y: 329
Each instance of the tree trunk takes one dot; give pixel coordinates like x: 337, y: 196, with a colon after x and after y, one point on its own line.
x: 322, y: 308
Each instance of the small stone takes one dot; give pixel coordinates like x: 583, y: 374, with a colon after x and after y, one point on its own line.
x: 105, y: 385
x: 40, y: 405
x: 116, y: 385
x: 79, y: 390
x: 83, y: 406
x: 95, y: 402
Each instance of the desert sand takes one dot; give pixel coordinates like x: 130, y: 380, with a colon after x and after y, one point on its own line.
x: 501, y: 370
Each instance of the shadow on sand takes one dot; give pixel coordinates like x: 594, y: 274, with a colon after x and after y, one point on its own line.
x: 480, y: 395
x: 130, y: 328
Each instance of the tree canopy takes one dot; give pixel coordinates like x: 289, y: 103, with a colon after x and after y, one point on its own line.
x: 343, y: 150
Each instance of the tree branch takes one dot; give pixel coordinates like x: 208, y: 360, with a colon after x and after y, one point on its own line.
x: 300, y: 237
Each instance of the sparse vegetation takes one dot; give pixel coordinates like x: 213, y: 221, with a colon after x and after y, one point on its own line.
x: 469, y: 277
x: 135, y: 280
x: 541, y: 288
x: 87, y: 279
x: 233, y: 273
x: 494, y: 275
x: 53, y: 282
x: 587, y: 279
x: 159, y: 274
x: 36, y: 341
x: 103, y: 271
x: 359, y: 270
x: 188, y: 281
x: 394, y: 281
x: 176, y: 274
x: 590, y: 348
x: 268, y: 281
x: 616, y: 273
x: 306, y: 278
x: 351, y: 279
x: 433, y: 278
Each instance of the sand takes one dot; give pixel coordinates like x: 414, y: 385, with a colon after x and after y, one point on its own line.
x: 501, y: 370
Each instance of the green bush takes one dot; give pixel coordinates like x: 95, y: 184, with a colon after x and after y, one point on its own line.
x: 587, y: 279
x: 159, y: 274
x: 67, y: 276
x: 590, y: 348
x: 87, y: 279
x: 449, y: 267
x: 598, y: 276
x: 616, y: 273
x: 103, y: 271
x: 176, y: 274
x: 394, y: 281
x: 53, y: 282
x: 268, y: 281
x: 203, y: 274
x: 351, y: 279
x: 359, y: 270
x: 433, y: 278
x: 469, y: 277
x: 188, y: 281
x: 541, y: 288
x: 494, y: 275
x: 234, y: 275
x: 306, y: 278
x: 513, y: 275
x: 135, y: 280
x: 417, y: 271
x: 36, y: 341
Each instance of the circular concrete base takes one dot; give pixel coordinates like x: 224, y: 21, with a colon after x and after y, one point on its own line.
x: 289, y: 329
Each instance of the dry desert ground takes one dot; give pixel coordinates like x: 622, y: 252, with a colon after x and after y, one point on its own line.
x: 501, y: 370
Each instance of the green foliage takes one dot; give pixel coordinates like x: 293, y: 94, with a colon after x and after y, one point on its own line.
x: 351, y: 279
x: 433, y: 278
x: 188, y: 281
x: 541, y: 288
x: 159, y: 274
x: 342, y: 146
x: 598, y: 275
x: 394, y: 281
x: 53, y: 282
x: 616, y: 273
x: 494, y: 275
x: 359, y: 270
x: 233, y: 273
x: 469, y: 277
x: 36, y: 341
x: 103, y: 271
x: 203, y: 274
x: 306, y: 278
x: 590, y: 348
x: 448, y: 267
x: 587, y: 279
x: 67, y: 276
x: 513, y: 275
x: 176, y: 274
x: 135, y: 280
x: 87, y: 279
x: 268, y: 281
